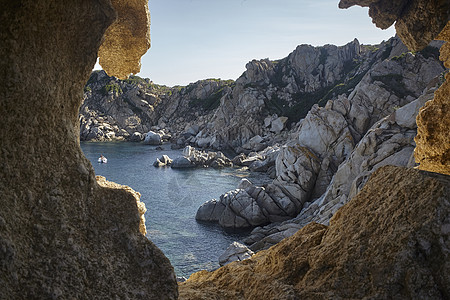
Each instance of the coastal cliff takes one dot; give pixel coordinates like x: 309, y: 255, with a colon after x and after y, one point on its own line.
x: 66, y: 234
x: 263, y: 106
x: 379, y: 245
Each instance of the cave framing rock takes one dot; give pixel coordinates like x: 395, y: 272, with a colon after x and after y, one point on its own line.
x: 61, y: 234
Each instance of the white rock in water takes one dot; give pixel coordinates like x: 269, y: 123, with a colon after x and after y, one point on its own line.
x: 235, y: 252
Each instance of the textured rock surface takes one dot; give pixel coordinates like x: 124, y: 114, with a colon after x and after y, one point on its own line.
x: 388, y: 142
x: 198, y: 158
x: 433, y: 134
x: 127, y: 39
x: 391, y: 241
x: 417, y: 22
x: 235, y: 252
x: 115, y: 109
x: 61, y: 234
x: 327, y: 136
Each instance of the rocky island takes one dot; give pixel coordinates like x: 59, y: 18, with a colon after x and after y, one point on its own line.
x: 329, y: 128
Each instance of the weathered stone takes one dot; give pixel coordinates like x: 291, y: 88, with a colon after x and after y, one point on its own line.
x: 210, y: 211
x: 417, y: 22
x: 389, y: 242
x: 235, y: 252
x: 152, y: 138
x: 181, y: 163
x: 62, y: 234
x: 126, y: 40
x: 278, y: 124
x: 136, y: 137
x: 433, y: 122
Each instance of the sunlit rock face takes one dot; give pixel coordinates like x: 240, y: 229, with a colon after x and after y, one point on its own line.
x: 127, y: 39
x: 417, y: 23
x: 378, y: 246
x: 61, y: 234
x: 433, y: 121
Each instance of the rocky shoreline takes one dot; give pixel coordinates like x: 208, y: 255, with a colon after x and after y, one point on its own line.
x: 318, y: 134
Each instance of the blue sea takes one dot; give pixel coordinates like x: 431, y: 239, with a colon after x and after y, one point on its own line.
x: 172, y: 198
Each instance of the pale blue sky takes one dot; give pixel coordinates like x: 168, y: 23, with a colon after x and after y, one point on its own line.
x: 199, y: 39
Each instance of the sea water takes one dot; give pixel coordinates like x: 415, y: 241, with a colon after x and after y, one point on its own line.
x: 172, y: 197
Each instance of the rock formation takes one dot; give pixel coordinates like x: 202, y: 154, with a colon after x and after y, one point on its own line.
x: 326, y: 137
x: 390, y: 242
x: 433, y: 138
x: 62, y: 235
x: 388, y: 142
x: 417, y: 23
x: 128, y: 36
x: 116, y: 109
x: 195, y: 158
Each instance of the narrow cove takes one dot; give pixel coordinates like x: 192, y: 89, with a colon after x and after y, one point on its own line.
x: 172, y: 198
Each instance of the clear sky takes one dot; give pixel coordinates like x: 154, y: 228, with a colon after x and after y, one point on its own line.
x: 200, y: 39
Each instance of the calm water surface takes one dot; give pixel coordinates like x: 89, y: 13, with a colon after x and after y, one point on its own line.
x: 172, y: 198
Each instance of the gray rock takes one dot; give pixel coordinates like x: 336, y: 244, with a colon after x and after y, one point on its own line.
x: 136, y: 137
x: 210, y: 211
x: 152, y: 138
x: 235, y: 252
x: 182, y: 163
x: 163, y: 161
x: 278, y: 124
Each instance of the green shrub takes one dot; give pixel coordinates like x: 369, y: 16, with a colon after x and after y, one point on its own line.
x: 114, y: 88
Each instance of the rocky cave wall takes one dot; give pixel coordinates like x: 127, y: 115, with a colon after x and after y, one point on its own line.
x: 62, y: 235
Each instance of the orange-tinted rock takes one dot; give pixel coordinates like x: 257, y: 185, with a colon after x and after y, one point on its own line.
x: 61, y: 234
x: 127, y: 39
x: 433, y: 122
x: 389, y: 242
x: 418, y: 22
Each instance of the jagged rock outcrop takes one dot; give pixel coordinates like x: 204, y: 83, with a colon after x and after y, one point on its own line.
x: 115, y: 109
x: 389, y: 242
x: 388, y: 142
x: 417, y: 23
x: 62, y: 235
x: 323, y: 140
x: 259, y: 110
x: 433, y: 138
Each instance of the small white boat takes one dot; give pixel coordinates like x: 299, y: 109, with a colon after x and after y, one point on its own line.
x: 102, y: 160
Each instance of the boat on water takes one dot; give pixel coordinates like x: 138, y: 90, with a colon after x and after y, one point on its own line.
x: 102, y: 159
